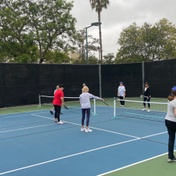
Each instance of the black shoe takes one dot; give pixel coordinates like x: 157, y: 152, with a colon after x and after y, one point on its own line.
x: 51, y: 112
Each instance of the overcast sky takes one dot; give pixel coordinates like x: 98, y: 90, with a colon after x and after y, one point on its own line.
x: 119, y: 15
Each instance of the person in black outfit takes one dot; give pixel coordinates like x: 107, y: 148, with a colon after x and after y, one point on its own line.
x: 147, y: 96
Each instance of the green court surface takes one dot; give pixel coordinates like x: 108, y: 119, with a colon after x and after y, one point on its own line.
x: 157, y: 166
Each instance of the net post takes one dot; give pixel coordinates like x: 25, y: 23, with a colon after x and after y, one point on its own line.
x: 39, y: 101
x: 115, y: 108
x: 94, y: 106
x: 95, y: 110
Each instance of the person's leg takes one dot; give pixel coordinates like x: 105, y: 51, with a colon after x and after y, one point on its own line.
x: 87, y: 121
x: 148, y: 100
x: 51, y: 111
x: 144, y: 103
x: 58, y: 114
x: 83, y: 118
x: 55, y: 113
x: 121, y: 102
x: 88, y: 117
x: 171, y: 132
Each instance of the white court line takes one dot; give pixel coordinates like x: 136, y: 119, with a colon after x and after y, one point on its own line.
x: 114, y: 132
x: 132, y: 165
x: 22, y: 114
x: 152, y: 135
x: 26, y: 128
x: 109, y: 131
x: 13, y: 116
x: 72, y: 155
x: 65, y: 157
x: 100, y: 129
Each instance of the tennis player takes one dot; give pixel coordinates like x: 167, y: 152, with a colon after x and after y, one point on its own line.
x: 146, y: 97
x: 51, y: 111
x: 121, y: 93
x: 85, y: 106
x: 170, y: 122
x: 58, y: 101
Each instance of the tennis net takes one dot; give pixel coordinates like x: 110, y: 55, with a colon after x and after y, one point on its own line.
x: 135, y: 109
x: 70, y: 103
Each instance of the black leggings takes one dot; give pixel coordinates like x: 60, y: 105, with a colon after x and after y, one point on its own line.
x: 57, y: 112
x: 122, y: 102
x: 84, y: 111
x: 171, y: 128
x: 148, y: 100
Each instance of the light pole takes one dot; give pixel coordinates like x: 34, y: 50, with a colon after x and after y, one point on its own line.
x: 92, y: 24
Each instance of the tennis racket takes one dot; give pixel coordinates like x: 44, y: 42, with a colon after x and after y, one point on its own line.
x: 105, y: 103
x: 65, y: 107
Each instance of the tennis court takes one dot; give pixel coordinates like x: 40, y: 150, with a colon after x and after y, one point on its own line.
x: 31, y: 143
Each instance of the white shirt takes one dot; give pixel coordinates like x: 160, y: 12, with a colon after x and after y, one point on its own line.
x: 121, y: 91
x: 170, y: 111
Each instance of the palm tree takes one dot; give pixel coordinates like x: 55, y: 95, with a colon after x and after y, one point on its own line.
x: 98, y: 6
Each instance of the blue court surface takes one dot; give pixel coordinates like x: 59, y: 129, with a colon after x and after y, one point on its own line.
x: 32, y: 144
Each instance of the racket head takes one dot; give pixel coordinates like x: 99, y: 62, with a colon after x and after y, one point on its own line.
x: 65, y: 107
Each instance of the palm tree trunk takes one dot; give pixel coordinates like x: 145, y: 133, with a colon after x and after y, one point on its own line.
x: 100, y: 37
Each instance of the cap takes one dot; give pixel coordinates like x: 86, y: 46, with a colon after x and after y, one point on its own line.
x: 121, y: 82
x: 174, y: 88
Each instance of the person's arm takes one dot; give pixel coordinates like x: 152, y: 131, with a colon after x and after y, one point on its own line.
x: 124, y: 92
x: 95, y: 97
x: 175, y: 112
x: 118, y: 91
x: 62, y: 99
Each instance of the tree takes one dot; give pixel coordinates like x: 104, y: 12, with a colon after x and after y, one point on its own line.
x: 52, y: 23
x: 128, y: 41
x: 80, y: 37
x: 99, y: 5
x: 56, y: 57
x: 33, y: 28
x: 147, y: 43
x: 109, y: 58
x: 15, y: 39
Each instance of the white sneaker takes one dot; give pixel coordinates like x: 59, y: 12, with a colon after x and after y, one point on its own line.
x: 148, y: 110
x: 88, y: 130
x: 60, y: 122
x: 144, y: 109
x: 82, y: 129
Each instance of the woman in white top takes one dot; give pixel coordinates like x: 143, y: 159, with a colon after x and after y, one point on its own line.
x: 85, y: 106
x: 170, y: 122
x: 121, y: 93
